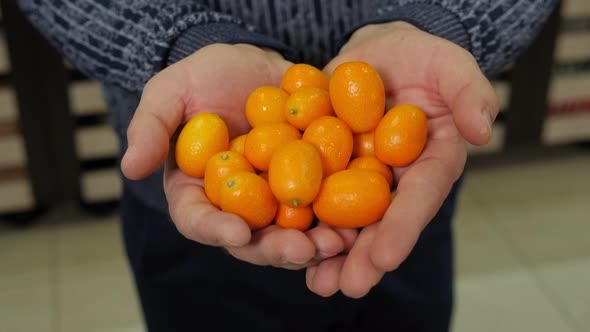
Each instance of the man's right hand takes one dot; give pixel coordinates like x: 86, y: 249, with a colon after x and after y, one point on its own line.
x: 217, y: 79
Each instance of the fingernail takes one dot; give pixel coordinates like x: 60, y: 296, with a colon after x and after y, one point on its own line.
x: 232, y: 242
x: 486, y: 114
x: 235, y: 240
x: 285, y: 261
x: 229, y: 233
x: 319, y: 256
x: 300, y: 261
x: 323, y: 255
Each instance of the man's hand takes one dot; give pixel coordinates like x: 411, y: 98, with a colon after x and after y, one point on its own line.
x: 446, y: 82
x: 218, y: 79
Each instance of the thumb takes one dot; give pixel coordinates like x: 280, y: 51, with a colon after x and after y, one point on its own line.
x: 468, y: 93
x: 156, y: 119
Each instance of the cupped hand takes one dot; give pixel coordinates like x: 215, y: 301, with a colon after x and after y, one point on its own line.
x: 217, y: 79
x: 446, y: 82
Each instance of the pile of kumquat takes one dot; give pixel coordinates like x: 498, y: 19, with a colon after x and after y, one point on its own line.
x: 319, y: 147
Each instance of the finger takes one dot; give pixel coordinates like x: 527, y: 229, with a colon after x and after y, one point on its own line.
x: 359, y: 274
x: 420, y: 193
x: 279, y: 247
x: 327, y: 241
x: 349, y: 236
x: 156, y: 119
x: 468, y: 93
x: 309, y: 274
x: 329, y: 68
x: 324, y: 278
x: 336, y: 61
x: 196, y: 218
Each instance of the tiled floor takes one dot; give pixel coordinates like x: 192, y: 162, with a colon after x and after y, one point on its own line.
x: 522, y: 246
x: 66, y: 275
x: 523, y: 259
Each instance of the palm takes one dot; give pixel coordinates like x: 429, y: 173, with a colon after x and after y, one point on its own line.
x: 219, y: 79
x: 216, y: 79
x: 413, y: 64
x: 445, y: 144
x: 443, y: 80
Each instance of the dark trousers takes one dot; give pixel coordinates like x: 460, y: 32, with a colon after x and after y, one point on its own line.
x: 185, y: 286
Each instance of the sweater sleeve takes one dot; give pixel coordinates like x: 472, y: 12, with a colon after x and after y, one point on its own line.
x: 125, y: 43
x: 495, y: 32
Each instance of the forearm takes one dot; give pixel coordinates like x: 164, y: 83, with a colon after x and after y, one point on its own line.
x: 126, y: 42
x: 495, y: 32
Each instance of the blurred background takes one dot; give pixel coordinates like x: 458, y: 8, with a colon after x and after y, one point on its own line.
x: 522, y: 227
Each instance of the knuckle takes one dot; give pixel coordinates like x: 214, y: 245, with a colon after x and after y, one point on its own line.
x: 150, y: 86
x: 182, y: 223
x: 187, y: 225
x: 464, y: 55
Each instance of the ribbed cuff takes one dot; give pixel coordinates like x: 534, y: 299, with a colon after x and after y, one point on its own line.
x: 202, y: 35
x: 430, y: 18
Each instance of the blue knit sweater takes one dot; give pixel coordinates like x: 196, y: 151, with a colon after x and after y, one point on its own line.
x: 122, y: 43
